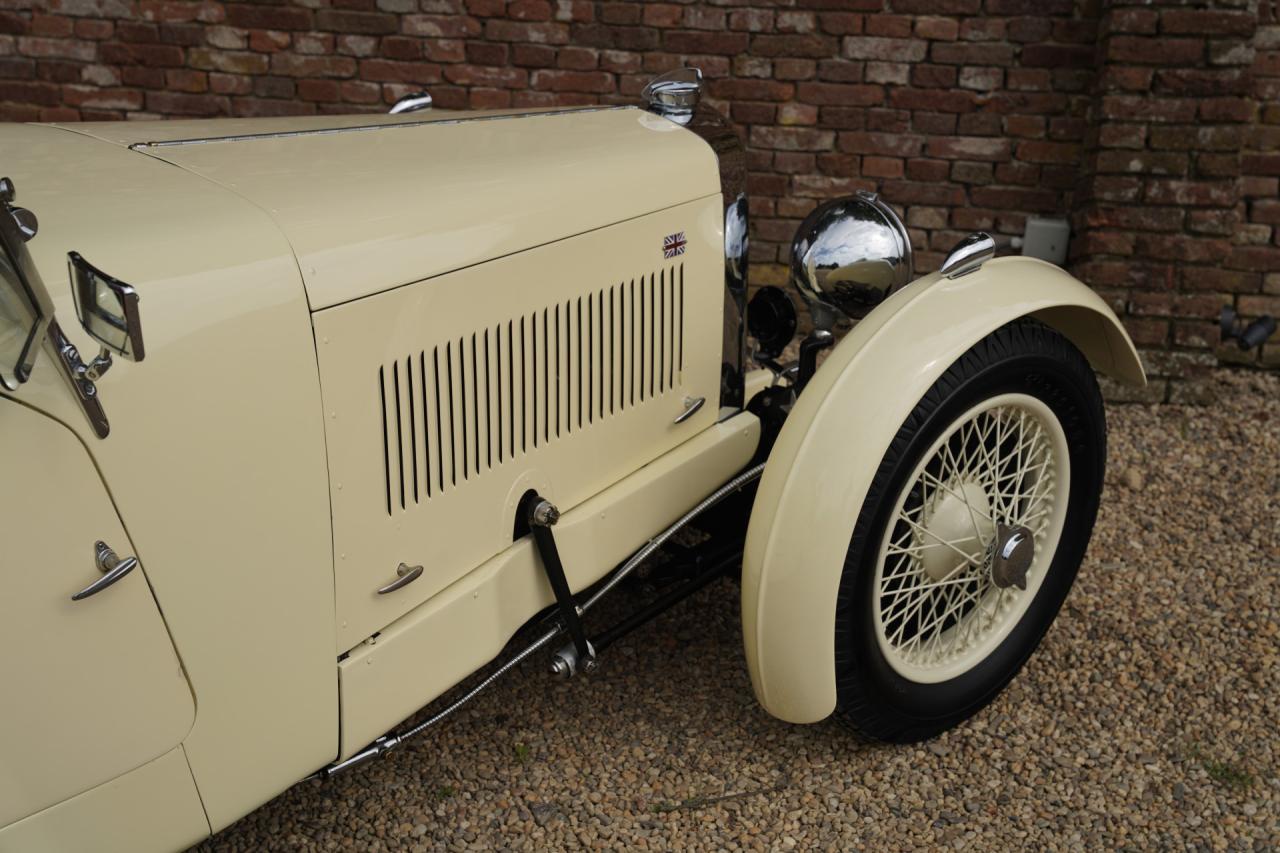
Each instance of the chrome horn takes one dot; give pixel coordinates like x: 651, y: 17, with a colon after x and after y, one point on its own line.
x: 847, y: 256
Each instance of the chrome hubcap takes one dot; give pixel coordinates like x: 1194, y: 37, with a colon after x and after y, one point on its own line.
x: 1015, y: 546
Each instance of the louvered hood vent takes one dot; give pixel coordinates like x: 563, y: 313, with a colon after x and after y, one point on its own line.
x: 460, y: 408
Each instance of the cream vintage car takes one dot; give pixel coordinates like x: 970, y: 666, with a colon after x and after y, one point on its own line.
x: 304, y: 419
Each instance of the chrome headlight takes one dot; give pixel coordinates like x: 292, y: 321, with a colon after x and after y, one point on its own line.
x: 848, y: 255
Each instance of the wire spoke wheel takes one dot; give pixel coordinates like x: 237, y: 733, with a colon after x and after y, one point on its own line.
x: 1001, y: 466
x: 970, y: 535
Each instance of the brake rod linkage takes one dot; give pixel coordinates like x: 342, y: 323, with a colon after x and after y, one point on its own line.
x: 387, y: 742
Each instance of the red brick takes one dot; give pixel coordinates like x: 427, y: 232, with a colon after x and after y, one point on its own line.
x: 526, y: 31
x: 255, y: 16
x: 933, y: 76
x: 919, y: 169
x: 292, y: 65
x: 840, y: 23
x: 1057, y: 56
x: 500, y: 78
x: 1202, y: 22
x: 1256, y: 258
x: 792, y: 138
x: 177, y: 103
x: 753, y: 90
x: 890, y: 144
x: 969, y: 148
x: 1208, y: 193
x: 960, y: 53
x: 937, y: 29
x: 440, y: 26
x: 810, y: 46
x: 1155, y: 51
x: 669, y: 15
x: 1261, y: 163
x: 932, y: 99
x: 572, y: 81
x: 840, y: 95
x: 1133, y: 20
x: 1161, y: 163
x: 894, y: 50
x: 529, y: 10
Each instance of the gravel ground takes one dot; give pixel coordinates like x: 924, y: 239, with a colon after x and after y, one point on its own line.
x: 1148, y: 718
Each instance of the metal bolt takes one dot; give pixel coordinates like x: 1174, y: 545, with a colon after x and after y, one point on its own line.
x: 544, y: 514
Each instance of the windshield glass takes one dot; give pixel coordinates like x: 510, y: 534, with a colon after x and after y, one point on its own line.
x: 22, y: 321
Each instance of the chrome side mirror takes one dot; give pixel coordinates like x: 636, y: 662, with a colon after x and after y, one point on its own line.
x: 411, y: 103
x: 848, y: 255
x: 107, y: 307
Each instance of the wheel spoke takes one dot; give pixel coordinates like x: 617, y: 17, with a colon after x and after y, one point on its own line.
x: 1001, y: 463
x: 926, y: 532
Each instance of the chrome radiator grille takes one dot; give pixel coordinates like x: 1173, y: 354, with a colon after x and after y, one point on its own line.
x: 462, y: 407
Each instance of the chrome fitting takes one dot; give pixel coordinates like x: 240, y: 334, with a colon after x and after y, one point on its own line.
x: 566, y: 663
x: 544, y: 514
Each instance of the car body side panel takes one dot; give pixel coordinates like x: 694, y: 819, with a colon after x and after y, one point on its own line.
x: 78, y: 678
x: 832, y: 443
x: 561, y: 369
x: 154, y: 807
x: 216, y: 457
x: 467, y: 624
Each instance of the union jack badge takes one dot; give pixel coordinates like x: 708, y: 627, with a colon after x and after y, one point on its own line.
x: 674, y: 245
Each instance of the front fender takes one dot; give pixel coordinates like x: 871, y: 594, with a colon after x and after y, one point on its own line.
x: 829, y: 449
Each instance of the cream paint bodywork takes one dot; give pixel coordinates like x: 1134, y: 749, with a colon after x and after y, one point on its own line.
x: 383, y: 681
x: 77, y: 676
x: 833, y: 441
x: 155, y: 807
x: 545, y: 439
x: 216, y: 458
x: 369, y: 210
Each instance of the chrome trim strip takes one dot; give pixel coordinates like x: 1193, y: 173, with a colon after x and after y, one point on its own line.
x: 328, y: 131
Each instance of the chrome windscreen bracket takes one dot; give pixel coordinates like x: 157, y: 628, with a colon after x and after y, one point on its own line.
x: 81, y: 377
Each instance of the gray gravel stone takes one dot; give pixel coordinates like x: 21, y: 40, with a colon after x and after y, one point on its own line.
x: 1146, y: 720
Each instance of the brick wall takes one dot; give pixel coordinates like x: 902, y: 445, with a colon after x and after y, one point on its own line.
x: 1154, y: 127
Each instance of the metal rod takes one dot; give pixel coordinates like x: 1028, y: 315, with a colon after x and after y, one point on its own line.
x: 388, y: 742
x: 663, y: 603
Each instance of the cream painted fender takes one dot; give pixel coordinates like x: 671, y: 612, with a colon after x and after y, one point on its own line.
x: 823, y: 462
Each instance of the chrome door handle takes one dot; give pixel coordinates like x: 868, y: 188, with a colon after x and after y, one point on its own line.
x: 112, y: 567
x: 691, y: 407
x: 405, y: 575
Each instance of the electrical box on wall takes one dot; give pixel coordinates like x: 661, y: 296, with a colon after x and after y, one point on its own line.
x: 1046, y: 239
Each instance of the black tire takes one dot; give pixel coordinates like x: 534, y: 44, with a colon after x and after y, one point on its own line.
x: 1022, y: 357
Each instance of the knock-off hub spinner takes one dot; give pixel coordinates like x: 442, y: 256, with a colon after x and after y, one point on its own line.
x: 1014, y: 549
